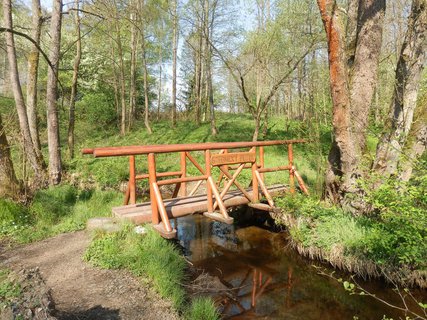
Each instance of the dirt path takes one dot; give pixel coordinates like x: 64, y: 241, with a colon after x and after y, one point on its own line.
x: 81, y: 291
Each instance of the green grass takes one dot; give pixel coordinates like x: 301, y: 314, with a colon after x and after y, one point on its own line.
x: 53, y: 211
x: 153, y: 257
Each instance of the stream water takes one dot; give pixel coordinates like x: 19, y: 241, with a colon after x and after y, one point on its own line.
x: 263, y: 278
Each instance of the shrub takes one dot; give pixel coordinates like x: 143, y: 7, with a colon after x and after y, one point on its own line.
x: 98, y: 108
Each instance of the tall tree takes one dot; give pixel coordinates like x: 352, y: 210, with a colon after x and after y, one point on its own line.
x: 30, y: 152
x: 32, y: 77
x: 411, y: 63
x: 353, y: 66
x: 145, y: 69
x: 55, y: 165
x: 76, y: 67
x: 174, y: 57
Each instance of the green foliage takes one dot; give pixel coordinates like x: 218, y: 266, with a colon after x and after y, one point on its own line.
x: 97, y: 108
x: 399, y: 236
x: 395, y: 236
x: 202, y: 308
x: 8, y: 289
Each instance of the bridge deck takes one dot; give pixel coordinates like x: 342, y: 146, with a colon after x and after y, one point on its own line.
x: 178, y: 207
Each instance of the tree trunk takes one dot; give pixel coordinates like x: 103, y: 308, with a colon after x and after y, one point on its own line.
x: 365, y: 69
x: 121, y: 72
x: 133, y: 67
x: 73, y: 96
x: 416, y: 145
x: 9, y: 185
x: 146, y: 89
x: 407, y: 80
x: 159, y: 93
x: 19, y: 99
x: 33, y: 66
x: 55, y: 166
x: 351, y: 97
x: 174, y: 58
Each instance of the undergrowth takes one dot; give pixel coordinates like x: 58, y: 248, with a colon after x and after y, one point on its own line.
x: 154, y: 257
x: 9, y: 289
x: 393, y: 235
x: 52, y: 211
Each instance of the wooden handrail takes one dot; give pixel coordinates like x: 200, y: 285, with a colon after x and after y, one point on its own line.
x: 135, y: 150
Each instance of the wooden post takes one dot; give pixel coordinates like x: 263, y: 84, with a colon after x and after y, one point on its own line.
x: 183, y: 188
x: 208, y: 186
x: 152, y: 179
x: 291, y: 171
x: 261, y: 161
x: 255, y: 191
x: 132, y: 184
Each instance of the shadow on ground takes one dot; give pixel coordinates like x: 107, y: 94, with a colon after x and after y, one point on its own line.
x: 95, y: 313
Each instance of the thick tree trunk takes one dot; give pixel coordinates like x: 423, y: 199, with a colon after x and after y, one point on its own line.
x: 341, y: 155
x: 33, y: 66
x: 407, y: 80
x: 353, y: 68
x: 9, y: 185
x: 365, y: 69
x: 55, y: 166
x: 29, y: 149
x: 174, y: 58
x: 77, y: 58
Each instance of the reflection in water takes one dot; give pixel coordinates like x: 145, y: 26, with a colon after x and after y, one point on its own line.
x: 264, y: 278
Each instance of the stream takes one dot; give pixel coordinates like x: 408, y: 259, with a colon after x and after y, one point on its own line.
x: 262, y: 277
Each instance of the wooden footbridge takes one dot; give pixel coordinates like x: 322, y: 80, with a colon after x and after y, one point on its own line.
x: 227, y: 156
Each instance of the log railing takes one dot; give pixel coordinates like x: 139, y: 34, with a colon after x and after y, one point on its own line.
x: 226, y: 160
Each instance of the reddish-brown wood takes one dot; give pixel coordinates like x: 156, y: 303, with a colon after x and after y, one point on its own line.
x: 132, y: 185
x: 183, y: 188
x: 175, y: 208
x: 161, y: 207
x: 261, y: 161
x: 135, y: 150
x: 208, y: 186
x: 301, y: 182
x: 196, y: 164
x: 255, y: 196
x: 264, y: 189
x: 237, y: 184
x: 274, y: 169
x: 181, y: 180
x: 291, y: 171
x: 152, y: 179
x: 229, y: 183
x: 158, y: 175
